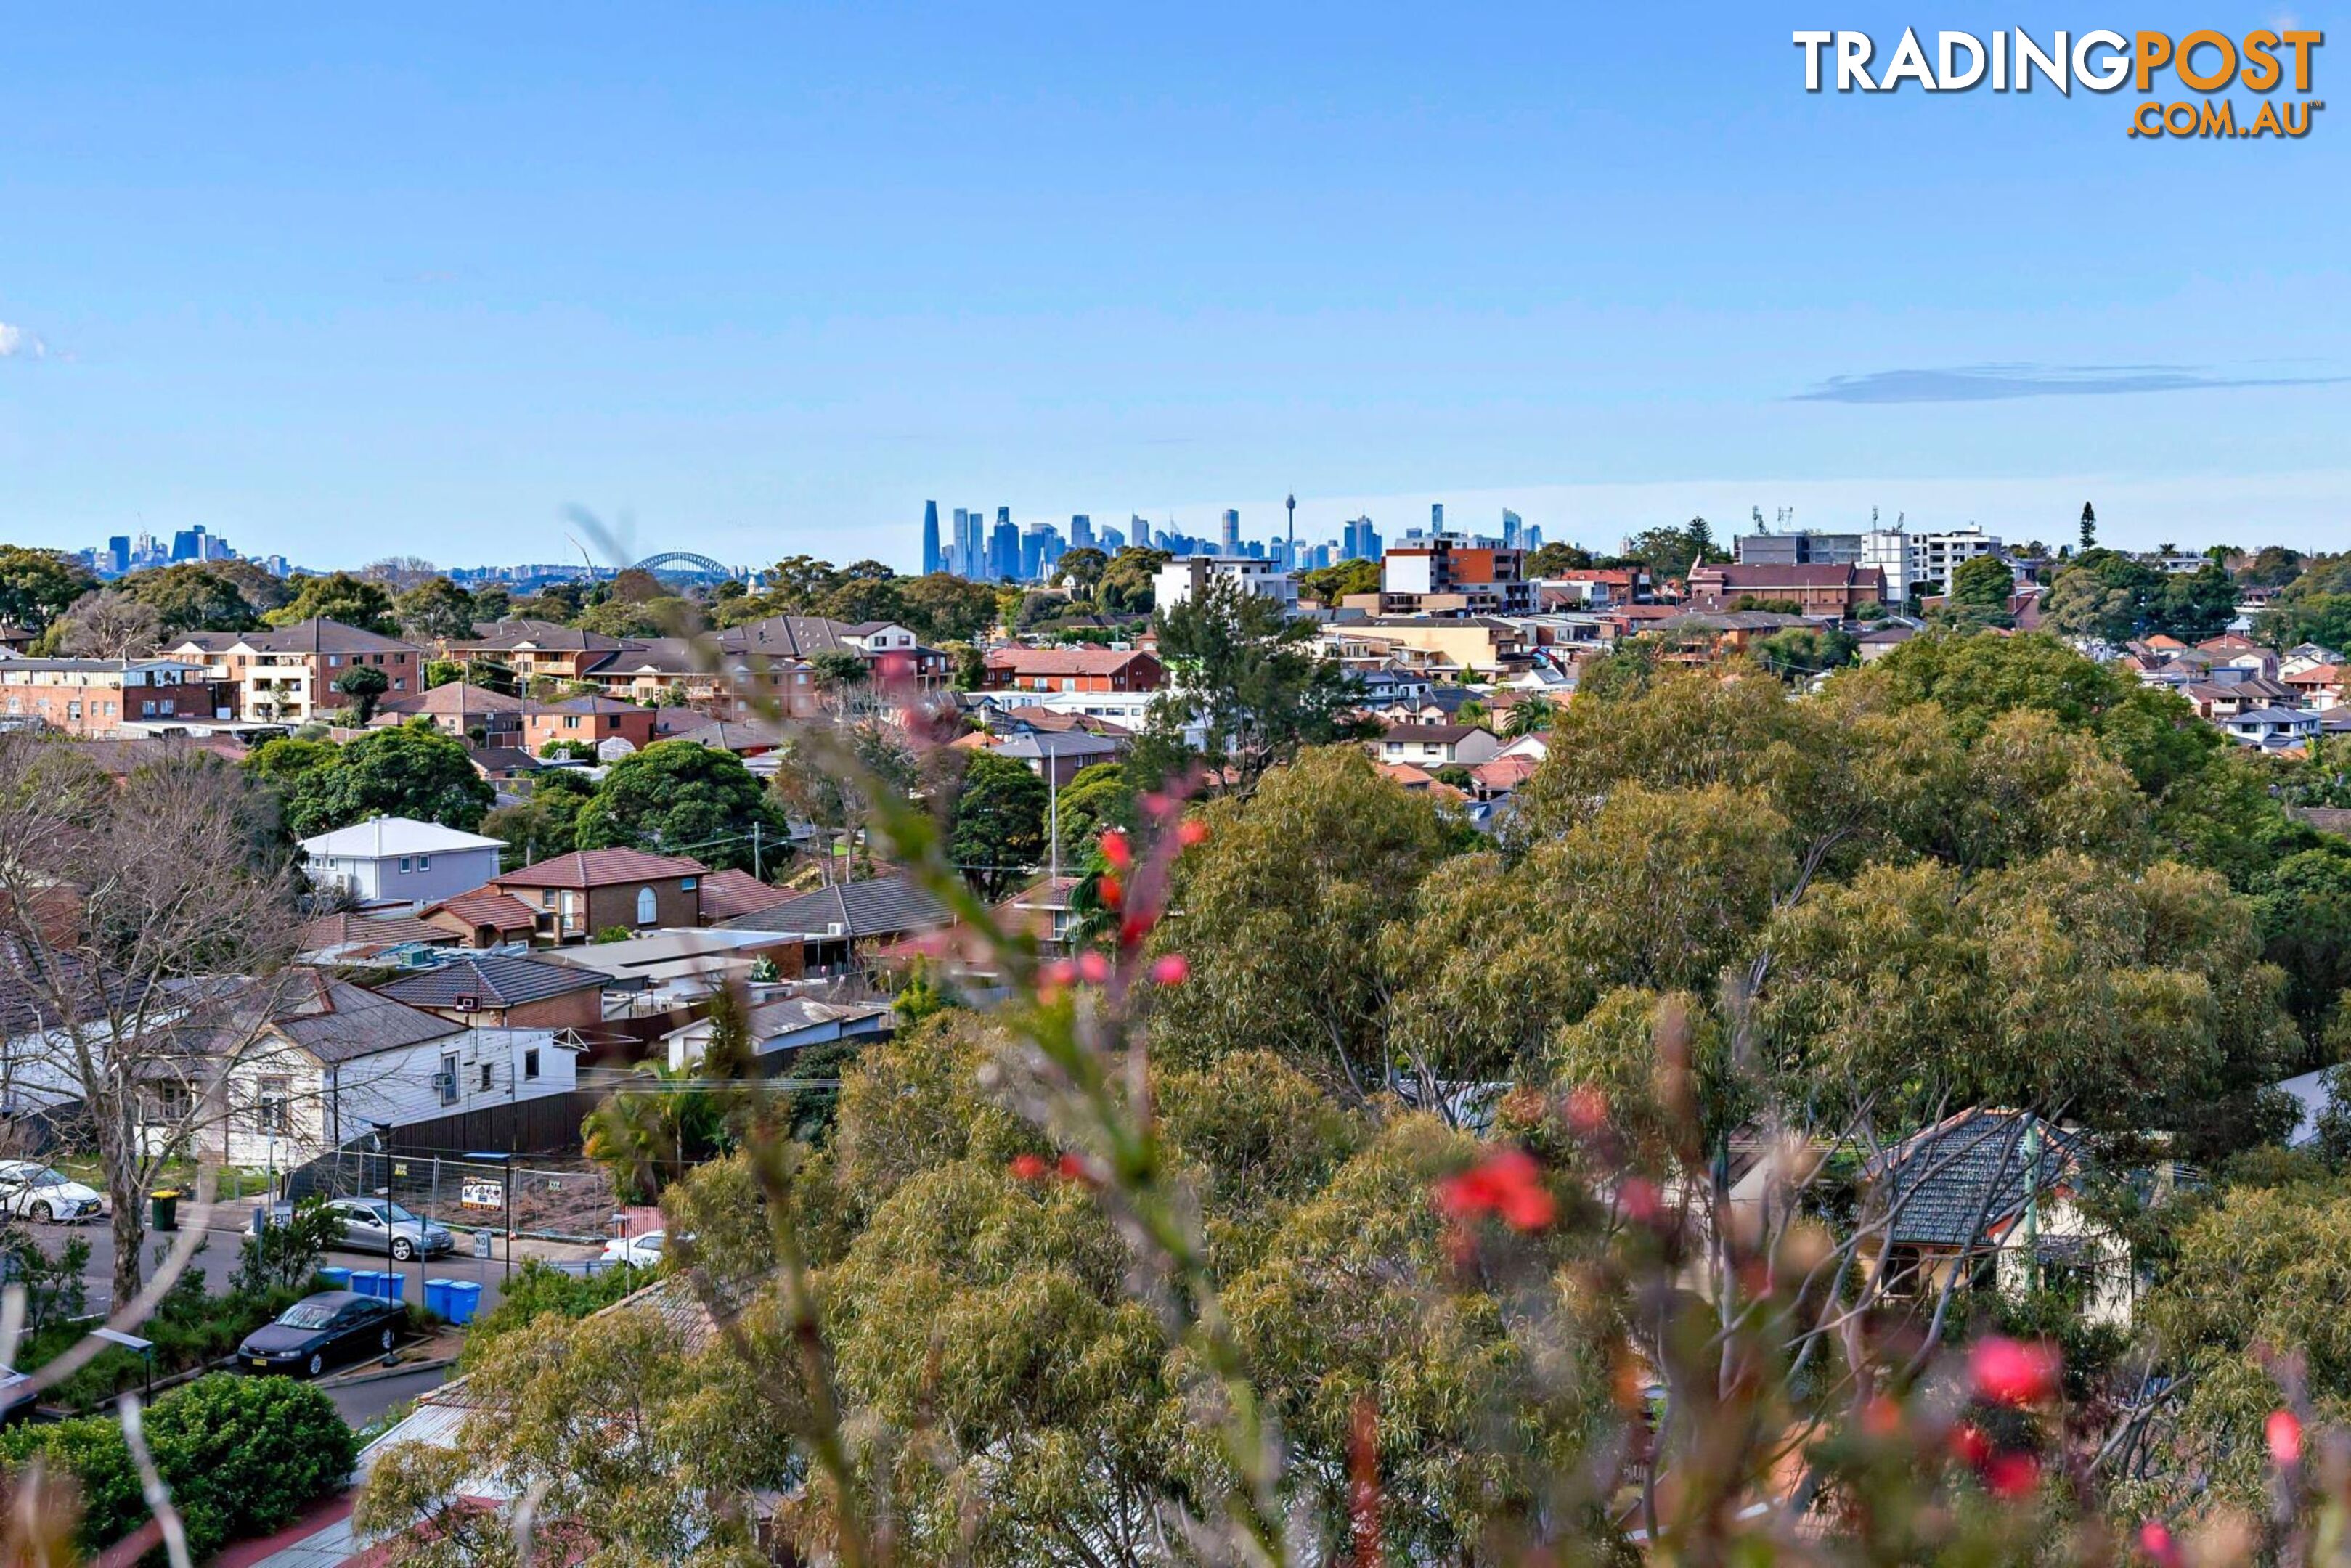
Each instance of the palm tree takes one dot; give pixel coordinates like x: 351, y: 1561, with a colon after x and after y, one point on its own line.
x: 1530, y: 717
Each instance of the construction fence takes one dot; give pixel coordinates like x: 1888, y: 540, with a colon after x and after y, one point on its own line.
x: 553, y: 1200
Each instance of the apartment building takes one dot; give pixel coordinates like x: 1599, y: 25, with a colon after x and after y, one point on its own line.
x: 1451, y: 574
x: 89, y: 697
x: 286, y: 675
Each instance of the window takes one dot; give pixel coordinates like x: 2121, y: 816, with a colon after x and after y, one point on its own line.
x: 272, y: 1106
x: 423, y: 862
x: 485, y: 1078
x: 647, y: 909
x: 403, y: 865
x: 531, y: 1064
x: 446, y: 1080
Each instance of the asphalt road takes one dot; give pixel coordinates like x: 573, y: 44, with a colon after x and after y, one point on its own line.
x: 217, y: 1260
x: 361, y: 1402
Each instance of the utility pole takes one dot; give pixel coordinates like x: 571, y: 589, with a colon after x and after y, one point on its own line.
x: 755, y: 851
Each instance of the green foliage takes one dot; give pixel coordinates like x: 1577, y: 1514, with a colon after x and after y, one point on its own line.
x: 2107, y: 595
x: 242, y: 1455
x: 997, y: 831
x: 1558, y: 557
x: 538, y: 1290
x: 1983, y: 583
x: 1671, y: 550
x: 54, y: 1295
x: 436, y: 608
x: 543, y: 824
x: 409, y: 770
x: 1331, y: 584
x: 339, y: 597
x: 1127, y: 584
x: 286, y: 1256
x: 1802, y: 651
x: 676, y: 797
x: 38, y: 585
x: 1097, y: 796
x: 365, y: 686
x: 1251, y: 678
x: 213, y: 596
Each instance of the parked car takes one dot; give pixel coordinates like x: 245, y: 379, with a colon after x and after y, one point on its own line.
x: 34, y: 1191
x: 322, y: 1331
x: 365, y: 1230
x: 644, y: 1251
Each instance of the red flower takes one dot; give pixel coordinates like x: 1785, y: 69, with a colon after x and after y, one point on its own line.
x: 1507, y: 1183
x: 1115, y: 851
x: 1970, y: 1447
x: 1073, y: 1167
x: 2011, y: 1474
x: 1093, y: 968
x: 1111, y: 892
x: 2283, y: 1430
x: 1028, y: 1168
x: 2155, y: 1540
x: 1193, y: 833
x: 1135, y: 928
x: 1882, y: 1416
x: 1173, y: 969
x: 2008, y: 1372
x: 1587, y: 1110
x: 1640, y: 1200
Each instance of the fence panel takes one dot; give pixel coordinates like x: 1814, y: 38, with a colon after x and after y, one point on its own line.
x: 572, y: 1202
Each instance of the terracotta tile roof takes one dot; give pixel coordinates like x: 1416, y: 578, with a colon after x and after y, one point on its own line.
x: 600, y: 868
x: 486, y: 906
x: 727, y: 894
x: 1063, y: 661
x: 347, y: 930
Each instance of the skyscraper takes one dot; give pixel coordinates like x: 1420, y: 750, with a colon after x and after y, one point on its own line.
x: 188, y: 544
x: 1081, y: 532
x: 118, y: 554
x: 1510, y: 529
x: 1004, y: 548
x: 1436, y: 517
x: 932, y: 559
x: 1112, y: 541
x: 1142, y: 530
x: 1229, y: 543
x: 973, y: 544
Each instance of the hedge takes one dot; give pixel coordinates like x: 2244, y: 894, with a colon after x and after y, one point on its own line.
x: 243, y: 1456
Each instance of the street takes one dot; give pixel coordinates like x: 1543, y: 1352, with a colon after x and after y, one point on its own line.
x: 361, y: 1402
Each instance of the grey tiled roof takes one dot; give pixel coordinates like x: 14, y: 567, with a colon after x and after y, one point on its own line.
x: 879, y: 906
x: 499, y: 980
x: 1960, y: 1180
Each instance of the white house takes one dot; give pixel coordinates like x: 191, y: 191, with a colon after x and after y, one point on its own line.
x: 399, y: 860
x: 1187, y: 575
x: 333, y: 1062
x: 1436, y: 745
x: 781, y: 1028
x: 2272, y: 728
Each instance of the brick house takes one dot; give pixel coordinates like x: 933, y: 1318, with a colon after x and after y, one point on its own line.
x: 286, y: 675
x: 498, y: 990
x: 592, y: 719
x: 575, y: 897
x: 90, y: 698
x: 1018, y: 668
x: 485, y: 917
x: 1816, y: 591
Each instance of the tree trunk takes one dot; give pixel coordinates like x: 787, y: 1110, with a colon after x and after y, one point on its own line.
x: 118, y: 1155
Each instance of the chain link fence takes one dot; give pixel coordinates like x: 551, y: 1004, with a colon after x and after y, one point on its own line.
x: 552, y: 1200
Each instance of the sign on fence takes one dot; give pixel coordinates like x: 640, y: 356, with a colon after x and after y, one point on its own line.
x: 482, y: 1195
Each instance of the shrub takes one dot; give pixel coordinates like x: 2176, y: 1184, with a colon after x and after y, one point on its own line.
x: 243, y: 1456
x: 537, y: 1290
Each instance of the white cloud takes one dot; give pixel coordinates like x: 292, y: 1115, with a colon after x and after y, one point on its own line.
x: 16, y: 343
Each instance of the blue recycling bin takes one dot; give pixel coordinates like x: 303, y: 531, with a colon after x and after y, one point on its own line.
x: 465, y: 1300
x: 334, y: 1279
x: 368, y: 1281
x: 393, y: 1286
x: 436, y: 1298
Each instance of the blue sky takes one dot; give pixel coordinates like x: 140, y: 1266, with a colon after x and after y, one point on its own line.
x: 341, y: 282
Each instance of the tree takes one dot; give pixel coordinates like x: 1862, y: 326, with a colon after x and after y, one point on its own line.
x: 1670, y: 551
x: 1557, y: 557
x: 1983, y: 583
x: 190, y: 597
x: 1127, y: 584
x: 435, y: 607
x: 997, y: 832
x: 1251, y: 679
x: 341, y: 598
x: 839, y: 674
x: 409, y: 771
x: 941, y: 607
x: 137, y: 921
x: 365, y: 686
x: 1328, y: 585
x: 1081, y: 568
x: 1799, y: 652
x: 109, y: 624
x: 2089, y: 527
x: 676, y: 797
x: 543, y: 825
x: 1097, y: 797
x: 38, y: 585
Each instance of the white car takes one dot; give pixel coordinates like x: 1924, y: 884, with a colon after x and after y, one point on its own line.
x: 30, y: 1190
x: 644, y: 1251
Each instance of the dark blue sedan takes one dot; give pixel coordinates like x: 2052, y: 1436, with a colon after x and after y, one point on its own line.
x: 323, y: 1331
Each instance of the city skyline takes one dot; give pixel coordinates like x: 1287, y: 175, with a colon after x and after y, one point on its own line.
x: 766, y: 279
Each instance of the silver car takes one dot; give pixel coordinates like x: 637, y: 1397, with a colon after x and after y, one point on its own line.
x: 403, y: 1236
